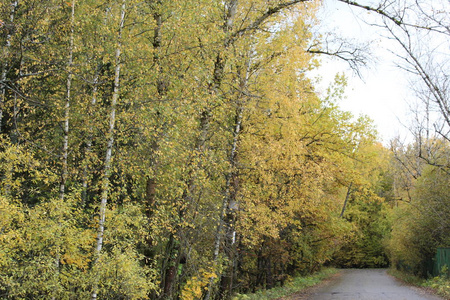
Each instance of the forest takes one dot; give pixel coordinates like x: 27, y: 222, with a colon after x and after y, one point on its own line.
x: 178, y: 149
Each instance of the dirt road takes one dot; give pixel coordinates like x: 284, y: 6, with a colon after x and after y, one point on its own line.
x: 369, y: 284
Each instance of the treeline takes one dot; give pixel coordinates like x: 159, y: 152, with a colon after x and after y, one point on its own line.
x: 421, y: 214
x: 175, y: 149
x: 416, y: 183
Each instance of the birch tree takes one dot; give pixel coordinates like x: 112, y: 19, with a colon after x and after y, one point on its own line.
x: 65, y: 148
x: 6, y: 26
x: 109, y: 148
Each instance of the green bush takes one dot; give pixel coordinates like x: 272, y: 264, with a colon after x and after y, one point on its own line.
x: 441, y: 284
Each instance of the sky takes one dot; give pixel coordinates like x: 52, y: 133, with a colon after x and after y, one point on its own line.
x: 382, y: 93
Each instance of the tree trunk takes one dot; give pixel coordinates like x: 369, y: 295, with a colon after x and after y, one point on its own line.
x: 349, y: 191
x: 227, y: 216
x: 108, y: 156
x: 90, y: 137
x: 5, y: 67
x: 65, y: 149
x: 170, y: 259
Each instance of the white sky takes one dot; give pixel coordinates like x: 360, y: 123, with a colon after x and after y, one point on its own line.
x: 384, y: 92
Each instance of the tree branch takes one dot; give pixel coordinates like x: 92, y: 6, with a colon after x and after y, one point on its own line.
x: 267, y: 14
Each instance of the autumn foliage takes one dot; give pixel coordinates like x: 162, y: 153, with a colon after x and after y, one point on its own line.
x: 178, y: 149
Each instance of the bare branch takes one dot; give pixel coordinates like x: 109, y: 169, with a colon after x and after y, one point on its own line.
x: 266, y: 15
x: 398, y: 19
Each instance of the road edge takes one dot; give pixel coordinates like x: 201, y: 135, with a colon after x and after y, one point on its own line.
x: 307, y: 292
x: 420, y: 289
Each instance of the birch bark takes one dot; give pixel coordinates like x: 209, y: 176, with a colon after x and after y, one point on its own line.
x: 227, y: 205
x: 5, y: 66
x: 65, y: 149
x: 108, y: 156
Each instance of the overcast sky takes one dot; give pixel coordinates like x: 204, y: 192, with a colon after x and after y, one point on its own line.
x: 383, y: 93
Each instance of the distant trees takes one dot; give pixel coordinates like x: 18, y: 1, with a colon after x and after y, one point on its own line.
x: 420, y: 170
x: 367, y: 210
x: 421, y: 214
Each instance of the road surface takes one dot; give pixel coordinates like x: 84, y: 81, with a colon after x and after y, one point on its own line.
x: 367, y: 284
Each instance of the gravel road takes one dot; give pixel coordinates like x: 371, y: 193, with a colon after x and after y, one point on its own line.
x: 368, y: 284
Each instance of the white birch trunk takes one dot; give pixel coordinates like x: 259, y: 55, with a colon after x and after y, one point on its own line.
x: 108, y: 156
x: 231, y: 8
x: 226, y: 204
x: 65, y: 149
x: 226, y: 199
x: 5, y: 67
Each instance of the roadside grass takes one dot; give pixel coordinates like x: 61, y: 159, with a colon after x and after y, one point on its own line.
x: 297, y: 284
x: 406, y: 277
x: 439, y: 284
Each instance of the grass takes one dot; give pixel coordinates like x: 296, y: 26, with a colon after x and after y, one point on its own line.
x: 297, y: 284
x: 439, y: 285
x: 406, y: 277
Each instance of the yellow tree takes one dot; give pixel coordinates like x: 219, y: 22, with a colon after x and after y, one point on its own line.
x: 294, y: 148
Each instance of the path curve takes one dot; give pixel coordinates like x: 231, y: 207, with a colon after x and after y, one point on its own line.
x: 366, y: 284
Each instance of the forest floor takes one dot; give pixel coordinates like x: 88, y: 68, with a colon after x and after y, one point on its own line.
x: 364, y: 284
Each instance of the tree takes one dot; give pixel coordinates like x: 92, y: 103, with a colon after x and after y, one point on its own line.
x: 8, y: 29
x: 199, y: 161
x: 422, y: 224
x: 65, y: 148
x: 421, y: 31
x: 109, y: 148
